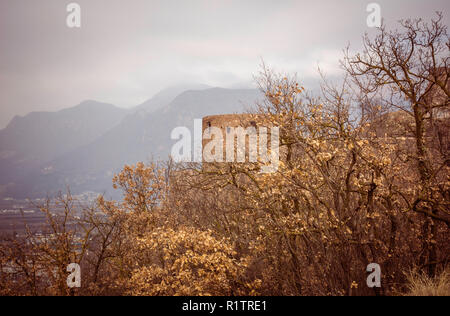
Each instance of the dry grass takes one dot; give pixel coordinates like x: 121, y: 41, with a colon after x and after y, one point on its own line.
x: 423, y: 285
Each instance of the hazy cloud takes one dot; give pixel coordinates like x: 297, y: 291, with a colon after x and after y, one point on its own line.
x: 126, y: 51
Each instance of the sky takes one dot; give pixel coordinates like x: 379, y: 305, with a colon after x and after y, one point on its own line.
x: 126, y: 51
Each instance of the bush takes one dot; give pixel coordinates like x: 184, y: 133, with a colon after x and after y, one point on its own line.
x: 422, y: 285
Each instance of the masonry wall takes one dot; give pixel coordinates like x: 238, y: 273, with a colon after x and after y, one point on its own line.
x: 225, y: 122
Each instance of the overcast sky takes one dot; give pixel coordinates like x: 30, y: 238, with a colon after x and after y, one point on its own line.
x: 125, y: 51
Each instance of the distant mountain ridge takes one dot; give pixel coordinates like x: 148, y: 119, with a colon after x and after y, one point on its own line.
x: 165, y: 96
x: 87, y: 156
x: 45, y: 135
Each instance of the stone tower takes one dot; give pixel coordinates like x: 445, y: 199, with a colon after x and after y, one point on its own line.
x: 254, y: 137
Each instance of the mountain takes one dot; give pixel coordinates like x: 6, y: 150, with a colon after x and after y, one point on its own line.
x: 28, y: 142
x: 144, y: 135
x: 42, y: 136
x: 164, y: 97
x: 140, y: 135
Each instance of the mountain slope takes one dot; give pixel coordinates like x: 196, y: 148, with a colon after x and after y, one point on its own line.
x: 164, y: 97
x: 43, y: 136
x: 30, y: 141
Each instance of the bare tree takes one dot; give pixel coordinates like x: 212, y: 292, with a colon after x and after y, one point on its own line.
x: 408, y: 70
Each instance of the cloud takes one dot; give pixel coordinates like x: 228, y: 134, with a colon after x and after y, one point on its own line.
x: 127, y: 51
